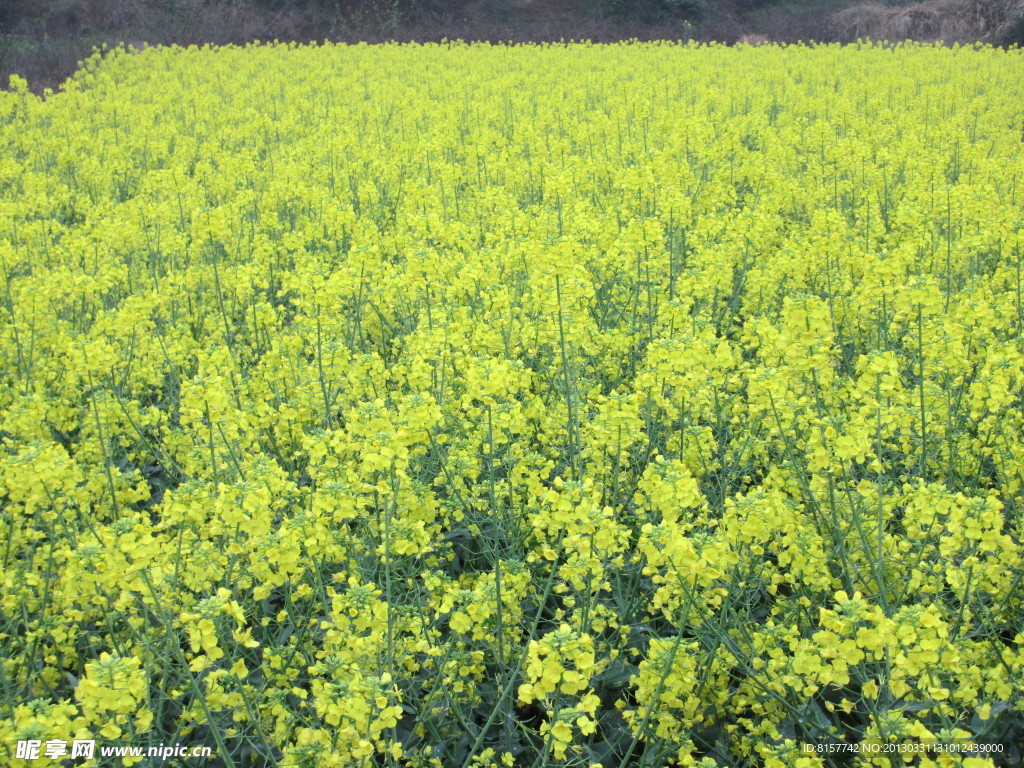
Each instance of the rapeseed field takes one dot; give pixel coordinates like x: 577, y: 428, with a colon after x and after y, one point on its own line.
x: 537, y: 405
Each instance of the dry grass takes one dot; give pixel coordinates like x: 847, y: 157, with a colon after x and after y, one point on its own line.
x: 953, y: 21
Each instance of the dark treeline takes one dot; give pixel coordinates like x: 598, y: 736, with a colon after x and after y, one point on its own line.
x: 43, y: 40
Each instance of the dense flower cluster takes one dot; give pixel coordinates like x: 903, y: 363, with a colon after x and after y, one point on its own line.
x: 469, y: 405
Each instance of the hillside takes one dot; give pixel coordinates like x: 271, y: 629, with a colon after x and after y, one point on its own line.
x: 44, y: 41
